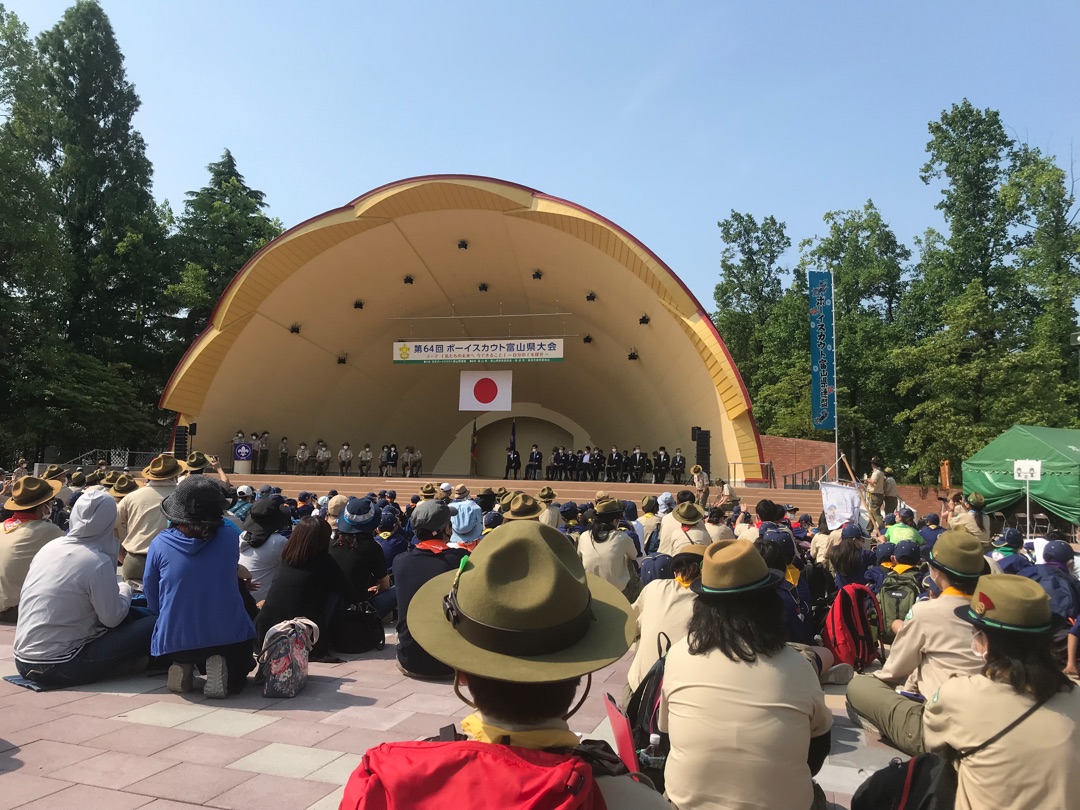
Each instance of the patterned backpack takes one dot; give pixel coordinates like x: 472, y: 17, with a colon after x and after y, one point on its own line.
x: 283, y: 663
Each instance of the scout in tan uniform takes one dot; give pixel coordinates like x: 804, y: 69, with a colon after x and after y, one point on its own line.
x: 1036, y: 764
x: 930, y: 648
x: 689, y: 529
x: 972, y: 519
x: 139, y: 518
x: 892, y: 495
x: 551, y: 516
x: 716, y: 527
x: 875, y: 487
x: 23, y: 535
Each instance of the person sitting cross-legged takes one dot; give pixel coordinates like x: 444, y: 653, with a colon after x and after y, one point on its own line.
x: 76, y: 624
x: 519, y: 624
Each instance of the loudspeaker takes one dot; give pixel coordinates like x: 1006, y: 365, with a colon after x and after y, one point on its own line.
x: 192, y: 428
x: 180, y: 442
x: 693, y: 433
x: 703, y: 449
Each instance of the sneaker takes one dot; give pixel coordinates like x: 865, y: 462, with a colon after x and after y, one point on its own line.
x: 839, y: 674
x: 217, y: 677
x: 180, y: 678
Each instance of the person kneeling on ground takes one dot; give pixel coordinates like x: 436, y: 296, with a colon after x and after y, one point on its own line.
x: 520, y: 645
x: 76, y: 625
x: 191, y: 583
x: 931, y: 647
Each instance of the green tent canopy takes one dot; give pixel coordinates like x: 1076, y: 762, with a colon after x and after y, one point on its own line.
x: 990, y: 471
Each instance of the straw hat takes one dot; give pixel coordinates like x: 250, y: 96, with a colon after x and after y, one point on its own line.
x: 732, y: 568
x: 29, y: 492
x: 1008, y: 602
x: 491, y: 619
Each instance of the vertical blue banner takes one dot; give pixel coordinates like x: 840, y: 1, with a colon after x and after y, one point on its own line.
x: 822, y: 351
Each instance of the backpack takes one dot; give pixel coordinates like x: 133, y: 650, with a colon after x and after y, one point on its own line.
x: 643, y: 709
x: 1064, y: 590
x: 850, y: 627
x: 822, y: 591
x: 435, y: 775
x: 652, y: 544
x: 898, y: 593
x: 656, y: 566
x: 283, y: 663
x: 356, y: 629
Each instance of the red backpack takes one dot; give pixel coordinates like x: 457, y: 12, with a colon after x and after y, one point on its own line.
x: 849, y: 628
x: 440, y: 775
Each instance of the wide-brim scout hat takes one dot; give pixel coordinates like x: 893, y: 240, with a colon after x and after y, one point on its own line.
x: 522, y: 609
x: 124, y: 485
x: 480, y: 493
x: 29, y: 492
x: 609, y: 506
x: 54, y: 472
x: 197, y: 460
x: 878, y: 460
x: 78, y: 479
x: 695, y: 469
x: 547, y: 495
x: 732, y: 568
x: 975, y: 499
x: 111, y: 477
x: 1008, y: 602
x: 460, y: 491
x: 163, y: 468
x: 691, y: 553
x: 428, y: 492
x: 649, y: 504
x: 524, y: 507
x: 959, y: 553
x: 500, y: 492
x: 197, y: 500
x: 688, y: 513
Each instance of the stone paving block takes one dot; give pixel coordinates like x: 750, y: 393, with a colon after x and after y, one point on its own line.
x: 75, y: 728
x: 43, y: 757
x: 85, y: 797
x: 294, y: 732
x: 131, y: 685
x: 111, y: 769
x: 375, y: 718
x: 286, y: 760
x: 227, y: 722
x: 356, y: 741
x: 43, y: 700
x: 429, y: 704
x: 277, y: 792
x: 169, y: 804
x: 424, y: 725
x: 335, y: 773
x: 136, y: 739
x: 329, y: 802
x: 169, y: 715
x: 16, y: 718
x: 107, y: 705
x: 17, y: 788
x: 189, y: 782
x: 210, y: 749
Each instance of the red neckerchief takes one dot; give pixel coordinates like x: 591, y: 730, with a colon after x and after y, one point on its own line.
x: 18, y: 519
x: 438, y: 546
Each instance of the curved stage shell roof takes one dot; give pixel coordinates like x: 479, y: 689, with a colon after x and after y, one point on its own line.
x: 249, y: 370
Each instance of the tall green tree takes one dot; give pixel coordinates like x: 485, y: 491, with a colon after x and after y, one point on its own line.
x: 223, y: 225
x: 749, y: 289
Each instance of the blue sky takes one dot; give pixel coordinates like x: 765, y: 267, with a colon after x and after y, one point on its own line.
x: 660, y: 116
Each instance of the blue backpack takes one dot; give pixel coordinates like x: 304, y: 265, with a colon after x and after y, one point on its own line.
x: 1064, y: 590
x: 656, y: 566
x: 652, y: 544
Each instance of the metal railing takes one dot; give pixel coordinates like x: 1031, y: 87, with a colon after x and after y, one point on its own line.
x: 805, y: 479
x: 117, y: 457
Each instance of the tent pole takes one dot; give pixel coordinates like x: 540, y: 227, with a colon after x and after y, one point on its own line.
x: 1027, y: 522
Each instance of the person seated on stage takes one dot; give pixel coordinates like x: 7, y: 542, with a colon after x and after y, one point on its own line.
x: 76, y: 625
x: 190, y: 583
x: 929, y: 648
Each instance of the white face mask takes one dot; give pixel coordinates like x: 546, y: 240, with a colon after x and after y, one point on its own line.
x: 975, y: 649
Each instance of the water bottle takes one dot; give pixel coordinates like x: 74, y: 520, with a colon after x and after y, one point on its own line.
x: 652, y: 756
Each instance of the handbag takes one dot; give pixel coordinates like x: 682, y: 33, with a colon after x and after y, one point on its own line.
x: 926, y: 781
x: 283, y: 662
x: 356, y: 629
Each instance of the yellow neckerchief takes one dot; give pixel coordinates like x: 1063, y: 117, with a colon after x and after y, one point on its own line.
x: 951, y: 591
x: 385, y: 535
x: 683, y: 582
x: 648, y: 516
x: 887, y: 564
x: 556, y: 735
x: 792, y: 575
x: 902, y: 567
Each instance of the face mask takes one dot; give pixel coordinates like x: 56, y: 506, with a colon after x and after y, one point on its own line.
x: 978, y: 653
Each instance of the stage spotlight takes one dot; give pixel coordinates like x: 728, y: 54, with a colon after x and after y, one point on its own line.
x: 537, y: 274
x: 483, y: 287
x: 295, y: 329
x: 643, y: 320
x: 590, y: 297
x: 587, y: 339
x: 462, y: 244
x: 342, y: 359
x: 358, y: 304
x: 408, y: 279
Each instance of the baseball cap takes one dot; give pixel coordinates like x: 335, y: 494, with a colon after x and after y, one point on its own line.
x: 265, y: 491
x: 359, y: 515
x: 432, y: 515
x: 782, y: 539
x: 906, y: 551
x: 890, y: 520
x: 852, y: 530
x: 933, y: 519
x: 304, y: 496
x: 492, y: 520
x: 883, y: 552
x: 1057, y: 551
x: 1011, y: 538
x: 907, y: 513
x: 244, y: 491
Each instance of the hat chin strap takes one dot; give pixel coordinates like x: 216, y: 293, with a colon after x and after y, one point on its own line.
x: 577, y: 706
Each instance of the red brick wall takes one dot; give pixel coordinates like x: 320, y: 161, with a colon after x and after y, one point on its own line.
x: 795, y: 455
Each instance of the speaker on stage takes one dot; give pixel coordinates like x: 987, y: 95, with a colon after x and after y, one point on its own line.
x: 180, y: 442
x: 703, y: 449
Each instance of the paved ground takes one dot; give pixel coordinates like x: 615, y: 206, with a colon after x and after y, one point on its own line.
x: 130, y: 743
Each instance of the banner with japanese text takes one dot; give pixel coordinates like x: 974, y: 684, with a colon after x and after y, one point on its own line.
x: 524, y: 350
x: 822, y: 351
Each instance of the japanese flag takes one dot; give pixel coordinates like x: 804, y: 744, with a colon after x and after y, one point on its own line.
x: 485, y: 391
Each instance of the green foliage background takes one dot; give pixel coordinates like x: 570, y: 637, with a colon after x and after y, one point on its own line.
x: 939, y: 348
x: 101, y: 289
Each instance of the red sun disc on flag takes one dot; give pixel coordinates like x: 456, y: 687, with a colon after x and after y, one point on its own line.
x: 485, y: 390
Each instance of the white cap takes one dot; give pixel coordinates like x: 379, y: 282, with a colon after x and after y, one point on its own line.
x: 245, y: 491
x: 446, y: 487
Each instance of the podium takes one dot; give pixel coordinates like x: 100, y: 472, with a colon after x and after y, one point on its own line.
x: 243, y: 453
